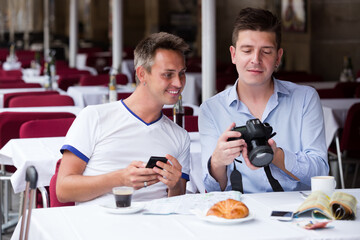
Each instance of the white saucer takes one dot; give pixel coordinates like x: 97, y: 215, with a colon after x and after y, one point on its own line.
x: 134, y: 208
x: 218, y: 220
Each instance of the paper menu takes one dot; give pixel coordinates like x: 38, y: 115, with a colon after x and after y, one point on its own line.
x: 186, y: 204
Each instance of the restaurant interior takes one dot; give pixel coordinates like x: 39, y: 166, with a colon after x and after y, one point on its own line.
x: 56, y: 57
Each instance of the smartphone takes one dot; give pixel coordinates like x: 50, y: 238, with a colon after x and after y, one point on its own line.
x: 282, y: 215
x: 152, y: 161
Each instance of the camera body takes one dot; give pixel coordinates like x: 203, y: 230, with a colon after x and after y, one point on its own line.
x: 256, y: 135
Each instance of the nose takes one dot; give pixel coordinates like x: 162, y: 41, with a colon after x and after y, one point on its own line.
x: 178, y: 81
x: 256, y: 58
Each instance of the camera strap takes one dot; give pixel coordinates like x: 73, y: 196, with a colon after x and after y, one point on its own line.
x: 273, y: 182
x: 236, y: 180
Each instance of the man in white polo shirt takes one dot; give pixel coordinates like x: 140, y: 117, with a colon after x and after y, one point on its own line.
x: 108, y: 145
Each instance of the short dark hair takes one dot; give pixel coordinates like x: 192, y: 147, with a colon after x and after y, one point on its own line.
x: 257, y: 20
x: 145, y: 50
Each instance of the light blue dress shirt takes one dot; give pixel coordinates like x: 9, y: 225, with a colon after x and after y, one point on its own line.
x: 295, y: 114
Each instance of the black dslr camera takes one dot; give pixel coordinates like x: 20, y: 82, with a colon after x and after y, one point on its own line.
x: 256, y: 134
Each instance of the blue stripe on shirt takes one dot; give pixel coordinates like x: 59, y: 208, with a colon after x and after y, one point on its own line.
x: 185, y: 176
x: 74, y: 151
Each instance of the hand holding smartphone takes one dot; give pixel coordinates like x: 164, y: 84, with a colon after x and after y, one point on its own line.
x: 152, y: 161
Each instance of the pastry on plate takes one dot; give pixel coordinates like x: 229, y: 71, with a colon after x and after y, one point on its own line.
x: 229, y: 209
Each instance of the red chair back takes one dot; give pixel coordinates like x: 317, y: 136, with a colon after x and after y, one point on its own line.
x: 10, y: 122
x: 191, y: 123
x: 347, y: 88
x: 8, y: 96
x: 41, y: 101
x: 54, y: 202
x: 45, y: 128
x: 330, y: 93
x: 20, y: 85
x: 350, y: 138
x: 169, y: 111
x: 123, y: 95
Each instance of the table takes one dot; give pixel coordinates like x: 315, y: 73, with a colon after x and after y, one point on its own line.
x: 91, y: 95
x: 320, y: 85
x: 93, y: 222
x: 72, y: 109
x: 43, y: 153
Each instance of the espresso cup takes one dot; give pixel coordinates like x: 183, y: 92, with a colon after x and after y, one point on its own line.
x: 123, y: 196
x: 325, y: 184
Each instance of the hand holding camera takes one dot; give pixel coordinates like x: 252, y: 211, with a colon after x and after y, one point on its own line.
x: 256, y: 135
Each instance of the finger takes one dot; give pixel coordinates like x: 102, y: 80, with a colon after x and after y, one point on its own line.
x: 138, y: 164
x: 228, y: 133
x: 173, y: 161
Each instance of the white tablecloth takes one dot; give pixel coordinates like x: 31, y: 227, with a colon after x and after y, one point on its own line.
x: 72, y: 109
x: 91, y: 95
x: 94, y: 222
x: 43, y: 153
x: 320, y: 85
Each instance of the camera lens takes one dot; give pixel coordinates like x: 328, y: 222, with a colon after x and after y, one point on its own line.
x: 261, y: 156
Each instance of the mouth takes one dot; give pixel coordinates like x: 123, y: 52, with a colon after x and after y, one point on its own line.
x: 255, y: 70
x: 174, y: 92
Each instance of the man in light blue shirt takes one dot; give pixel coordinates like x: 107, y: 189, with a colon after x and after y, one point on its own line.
x: 293, y: 111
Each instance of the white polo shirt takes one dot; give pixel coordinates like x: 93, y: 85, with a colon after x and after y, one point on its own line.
x: 110, y: 136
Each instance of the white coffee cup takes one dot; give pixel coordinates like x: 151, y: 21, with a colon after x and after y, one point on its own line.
x: 325, y: 184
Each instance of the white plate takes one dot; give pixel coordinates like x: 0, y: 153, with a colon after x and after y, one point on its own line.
x: 134, y: 208
x: 218, y: 220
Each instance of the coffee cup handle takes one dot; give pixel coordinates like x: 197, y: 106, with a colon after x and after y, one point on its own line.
x: 334, y: 184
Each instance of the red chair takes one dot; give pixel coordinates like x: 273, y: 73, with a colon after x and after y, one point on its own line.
x: 10, y: 123
x: 8, y: 96
x: 12, y: 73
x: 347, y: 88
x: 350, y: 141
x: 330, y: 93
x: 20, y: 85
x: 169, y: 111
x: 102, y: 79
x: 54, y: 201
x: 191, y: 123
x: 357, y: 92
x: 41, y: 101
x: 57, y: 127
x: 123, y: 95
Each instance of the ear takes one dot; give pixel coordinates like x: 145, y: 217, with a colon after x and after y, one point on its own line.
x: 279, y: 53
x: 140, y: 73
x: 232, y: 54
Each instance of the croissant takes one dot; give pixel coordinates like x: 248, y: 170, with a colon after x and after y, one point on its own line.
x: 229, y: 209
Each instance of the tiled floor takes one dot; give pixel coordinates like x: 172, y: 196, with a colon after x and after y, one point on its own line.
x: 16, y: 197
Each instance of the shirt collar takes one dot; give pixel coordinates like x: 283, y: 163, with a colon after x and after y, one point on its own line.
x: 233, y: 98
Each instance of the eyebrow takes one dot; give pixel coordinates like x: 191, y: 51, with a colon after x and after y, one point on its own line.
x: 173, y: 70
x: 251, y: 46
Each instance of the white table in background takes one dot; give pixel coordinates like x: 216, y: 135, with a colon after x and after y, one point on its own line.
x: 320, y: 85
x: 91, y: 95
x: 43, y: 153
x: 94, y: 222
x: 192, y: 90
x: 71, y: 109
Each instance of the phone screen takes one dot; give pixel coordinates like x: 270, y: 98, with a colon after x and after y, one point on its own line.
x: 282, y: 215
x: 152, y: 161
